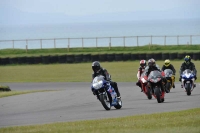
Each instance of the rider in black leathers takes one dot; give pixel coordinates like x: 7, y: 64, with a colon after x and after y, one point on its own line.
x: 98, y: 70
x: 151, y: 67
x: 188, y: 65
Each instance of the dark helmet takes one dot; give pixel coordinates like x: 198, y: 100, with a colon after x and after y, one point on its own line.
x: 151, y: 62
x: 143, y: 63
x: 187, y: 59
x: 96, y: 66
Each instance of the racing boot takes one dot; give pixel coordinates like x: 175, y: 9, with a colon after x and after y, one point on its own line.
x: 173, y: 85
x: 181, y: 86
x: 117, y: 91
x: 141, y: 89
x: 139, y: 84
x: 114, y: 85
x: 194, y: 85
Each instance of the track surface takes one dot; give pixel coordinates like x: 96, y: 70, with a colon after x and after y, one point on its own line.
x: 75, y: 101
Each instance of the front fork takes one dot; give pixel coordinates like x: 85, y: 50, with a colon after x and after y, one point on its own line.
x: 182, y: 83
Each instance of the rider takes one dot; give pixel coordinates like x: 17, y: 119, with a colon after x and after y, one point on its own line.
x: 98, y: 70
x: 188, y: 65
x: 151, y: 67
x: 140, y: 71
x: 167, y: 65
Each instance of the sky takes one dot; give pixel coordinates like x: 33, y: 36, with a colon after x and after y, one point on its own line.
x: 76, y: 11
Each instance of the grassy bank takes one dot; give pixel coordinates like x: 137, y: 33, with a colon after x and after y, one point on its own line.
x: 135, y: 49
x: 171, y: 122
x: 77, y: 72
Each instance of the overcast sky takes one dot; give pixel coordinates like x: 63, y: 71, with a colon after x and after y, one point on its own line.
x: 82, y: 8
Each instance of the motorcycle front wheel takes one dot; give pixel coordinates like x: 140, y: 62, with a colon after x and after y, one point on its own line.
x: 168, y: 86
x: 105, y: 101
x: 148, y: 93
x: 158, y: 94
x: 188, y: 88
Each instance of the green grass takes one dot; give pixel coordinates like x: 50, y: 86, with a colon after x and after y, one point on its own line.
x: 77, y: 72
x: 186, y: 121
x: 135, y: 49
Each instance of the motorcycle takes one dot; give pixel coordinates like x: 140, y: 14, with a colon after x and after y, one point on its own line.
x: 170, y: 80
x: 105, y: 93
x: 187, y: 79
x: 154, y: 78
x: 144, y: 87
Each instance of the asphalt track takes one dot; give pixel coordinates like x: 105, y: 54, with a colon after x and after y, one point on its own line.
x: 74, y: 101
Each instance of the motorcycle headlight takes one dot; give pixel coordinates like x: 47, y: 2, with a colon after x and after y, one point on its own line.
x: 97, y: 85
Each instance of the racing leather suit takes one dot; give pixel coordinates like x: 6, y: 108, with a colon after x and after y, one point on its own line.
x: 107, y: 76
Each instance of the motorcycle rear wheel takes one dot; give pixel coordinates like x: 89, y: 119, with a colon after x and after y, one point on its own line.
x: 105, y: 101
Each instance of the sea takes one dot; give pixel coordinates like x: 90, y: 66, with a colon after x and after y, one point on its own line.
x: 101, y: 34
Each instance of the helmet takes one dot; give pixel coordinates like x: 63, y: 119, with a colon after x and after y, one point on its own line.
x: 143, y: 63
x: 151, y: 62
x: 96, y: 66
x: 167, y: 62
x: 187, y: 59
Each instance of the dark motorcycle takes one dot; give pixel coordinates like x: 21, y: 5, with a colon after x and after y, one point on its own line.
x: 105, y: 93
x: 154, y: 83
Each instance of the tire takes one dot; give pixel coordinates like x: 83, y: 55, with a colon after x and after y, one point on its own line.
x: 62, y: 59
x: 110, y: 57
x: 165, y: 56
x: 126, y: 56
x: 148, y: 93
x: 102, y: 57
x: 167, y: 88
x: 70, y: 58
x: 119, y: 105
x: 188, y: 89
x: 162, y: 100
x: 78, y: 58
x: 86, y: 57
x: 196, y: 56
x: 157, y: 93
x: 105, y: 101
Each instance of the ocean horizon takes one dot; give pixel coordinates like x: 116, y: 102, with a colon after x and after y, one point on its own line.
x: 175, y: 27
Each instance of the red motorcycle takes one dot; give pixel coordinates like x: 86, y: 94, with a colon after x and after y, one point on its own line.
x: 146, y: 90
x: 154, y: 85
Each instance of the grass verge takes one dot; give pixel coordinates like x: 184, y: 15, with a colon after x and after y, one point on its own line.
x: 91, y: 50
x: 170, y: 122
x: 77, y: 72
